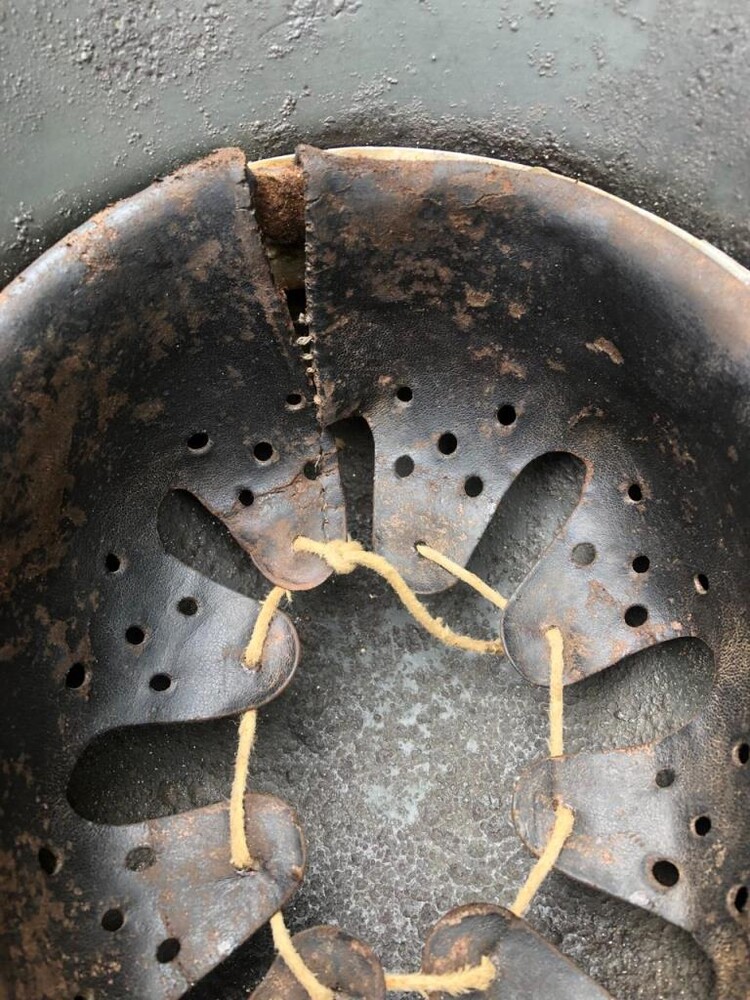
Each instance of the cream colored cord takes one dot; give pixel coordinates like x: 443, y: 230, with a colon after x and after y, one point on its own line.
x: 345, y: 557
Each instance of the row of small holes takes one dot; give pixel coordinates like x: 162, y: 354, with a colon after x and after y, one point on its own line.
x: 167, y: 951
x: 310, y: 469
x: 77, y: 675
x: 200, y: 441
x: 584, y: 554
x: 143, y: 857
x: 404, y: 466
x: 447, y: 445
x: 665, y: 872
x: 506, y: 414
x: 641, y: 563
x: 135, y: 635
x: 138, y: 859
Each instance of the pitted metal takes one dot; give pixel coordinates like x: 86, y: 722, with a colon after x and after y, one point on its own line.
x: 527, y: 314
x: 148, y: 351
x: 143, y: 910
x: 663, y: 826
x: 479, y: 315
x: 528, y: 967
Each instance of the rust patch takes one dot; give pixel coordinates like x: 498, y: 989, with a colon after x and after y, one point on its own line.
x: 603, y: 346
x: 278, y: 197
x: 148, y: 411
x: 585, y: 414
x: 477, y: 299
x: 37, y: 476
x: 205, y: 258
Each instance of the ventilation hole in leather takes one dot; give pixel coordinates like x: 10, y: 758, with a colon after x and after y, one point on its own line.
x: 700, y: 580
x: 742, y: 754
x: 311, y: 470
x: 140, y: 858
x: 113, y: 920
x: 160, y: 682
x: 506, y: 415
x: 641, y: 564
x: 404, y: 394
x: 191, y: 534
x: 199, y: 441
x: 246, y: 497
x: 583, y: 554
x: 702, y: 825
x: 740, y: 898
x: 49, y: 862
x: 112, y: 562
x: 473, y: 486
x: 295, y: 401
x: 137, y: 773
x: 447, y: 443
x: 636, y: 615
x: 635, y: 492
x: 187, y: 606
x: 168, y: 950
x: 666, y: 873
x: 135, y: 635
x: 263, y: 451
x: 665, y: 778
x: 403, y: 466
x: 75, y: 676
x: 640, y: 699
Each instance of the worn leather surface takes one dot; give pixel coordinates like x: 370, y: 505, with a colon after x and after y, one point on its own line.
x: 526, y: 315
x: 483, y: 286
x: 155, y: 322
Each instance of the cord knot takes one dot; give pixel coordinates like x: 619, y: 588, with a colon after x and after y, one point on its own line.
x: 340, y: 553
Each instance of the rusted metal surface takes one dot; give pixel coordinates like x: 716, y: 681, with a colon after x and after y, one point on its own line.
x: 149, y: 351
x: 344, y: 964
x: 663, y: 826
x: 522, y: 314
x: 529, y: 968
x: 478, y: 315
x: 148, y: 909
x: 279, y: 200
x: 97, y: 917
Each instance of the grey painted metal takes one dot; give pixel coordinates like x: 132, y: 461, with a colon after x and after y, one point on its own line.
x: 647, y: 98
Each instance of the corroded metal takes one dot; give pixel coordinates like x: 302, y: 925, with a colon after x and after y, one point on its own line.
x: 148, y: 351
x: 522, y: 313
x: 663, y: 826
x: 478, y: 315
